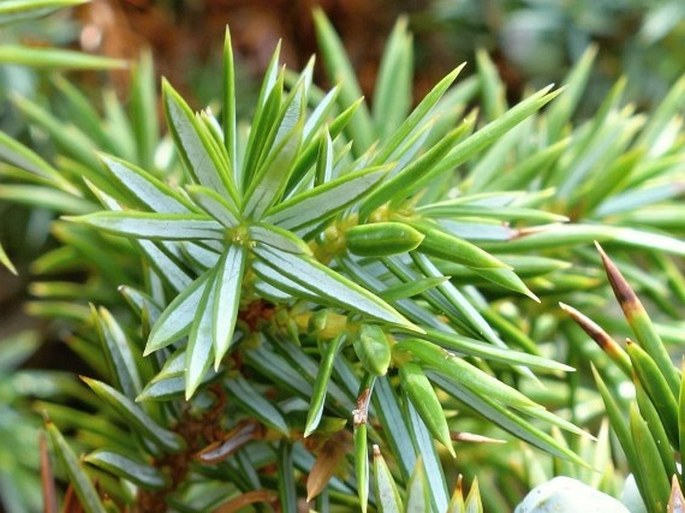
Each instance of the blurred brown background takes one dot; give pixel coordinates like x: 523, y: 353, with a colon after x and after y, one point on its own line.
x: 185, y: 35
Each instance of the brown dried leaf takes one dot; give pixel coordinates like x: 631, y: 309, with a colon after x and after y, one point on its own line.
x: 456, y: 504
x: 475, y: 438
x: 71, y: 502
x: 601, y: 337
x: 47, y: 479
x: 232, y: 441
x: 329, y: 457
x: 240, y: 502
x: 676, y: 502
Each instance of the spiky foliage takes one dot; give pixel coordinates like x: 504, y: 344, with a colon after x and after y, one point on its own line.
x: 651, y: 435
x: 19, y: 468
x: 15, y: 16
x: 330, y: 280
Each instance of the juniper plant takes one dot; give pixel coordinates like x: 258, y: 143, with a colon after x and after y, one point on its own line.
x: 312, y: 303
x: 651, y: 437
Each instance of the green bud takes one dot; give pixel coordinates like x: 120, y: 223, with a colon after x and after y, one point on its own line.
x: 449, y: 247
x: 382, y: 239
x: 326, y: 324
x: 373, y: 349
x: 422, y: 395
x: 317, y: 322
